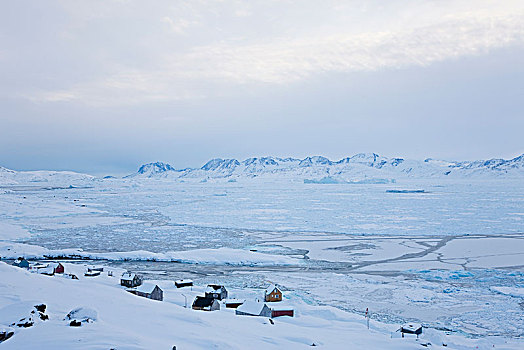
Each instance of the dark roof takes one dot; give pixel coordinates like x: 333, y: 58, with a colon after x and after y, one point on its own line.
x: 215, y: 286
x: 203, y: 302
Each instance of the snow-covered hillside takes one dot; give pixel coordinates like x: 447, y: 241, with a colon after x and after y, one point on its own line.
x: 108, y: 317
x: 44, y: 178
x: 359, y: 167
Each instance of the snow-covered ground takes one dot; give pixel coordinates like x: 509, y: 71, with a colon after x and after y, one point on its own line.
x: 121, y: 320
x: 451, y: 258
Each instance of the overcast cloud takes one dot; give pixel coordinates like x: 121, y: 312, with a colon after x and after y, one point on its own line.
x: 102, y: 86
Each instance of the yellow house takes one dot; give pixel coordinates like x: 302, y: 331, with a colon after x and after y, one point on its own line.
x: 272, y: 293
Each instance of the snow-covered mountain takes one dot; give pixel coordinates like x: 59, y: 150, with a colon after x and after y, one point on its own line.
x: 362, y: 167
x: 44, y: 178
x: 359, y: 167
x: 157, y: 169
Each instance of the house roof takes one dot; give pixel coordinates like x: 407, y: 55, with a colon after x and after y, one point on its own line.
x: 252, y: 307
x: 54, y: 265
x: 214, y: 288
x: 412, y: 327
x: 40, y: 265
x: 203, y: 302
x: 146, y: 288
x: 127, y: 276
x: 271, y: 288
x: 280, y: 307
x: 183, y: 281
x: 235, y: 301
x: 47, y: 270
x: 18, y: 262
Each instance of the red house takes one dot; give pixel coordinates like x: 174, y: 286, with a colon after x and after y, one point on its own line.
x: 57, y: 267
x: 282, y: 311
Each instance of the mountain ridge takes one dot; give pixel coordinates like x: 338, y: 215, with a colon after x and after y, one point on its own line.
x: 359, y: 168
x: 361, y: 165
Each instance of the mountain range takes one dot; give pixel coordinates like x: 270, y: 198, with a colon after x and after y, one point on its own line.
x: 355, y: 168
x: 360, y: 168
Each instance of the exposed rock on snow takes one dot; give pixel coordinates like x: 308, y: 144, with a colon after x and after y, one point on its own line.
x: 6, y: 333
x: 81, y: 315
x: 23, y: 315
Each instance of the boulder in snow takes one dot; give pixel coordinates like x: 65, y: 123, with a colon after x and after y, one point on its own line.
x: 81, y: 315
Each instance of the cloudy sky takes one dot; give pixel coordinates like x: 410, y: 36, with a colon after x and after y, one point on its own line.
x: 102, y: 86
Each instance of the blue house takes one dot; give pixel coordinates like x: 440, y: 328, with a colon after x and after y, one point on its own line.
x: 21, y: 262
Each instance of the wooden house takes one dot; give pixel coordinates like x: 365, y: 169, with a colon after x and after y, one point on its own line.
x: 148, y: 290
x: 216, y: 291
x: 57, y: 267
x: 130, y: 280
x: 21, y: 262
x: 411, y: 328
x: 90, y: 273
x: 39, y: 266
x: 234, y: 303
x: 277, y: 311
x: 48, y: 270
x: 183, y: 283
x: 272, y: 293
x: 253, y: 308
x: 205, y: 304
x: 91, y: 269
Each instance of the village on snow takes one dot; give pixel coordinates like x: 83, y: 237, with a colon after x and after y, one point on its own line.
x: 270, y: 304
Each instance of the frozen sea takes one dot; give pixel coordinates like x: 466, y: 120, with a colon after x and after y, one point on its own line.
x: 451, y: 257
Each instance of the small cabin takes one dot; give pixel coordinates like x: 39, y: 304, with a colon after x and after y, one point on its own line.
x: 90, y: 273
x: 21, y: 262
x: 48, y: 270
x: 39, y: 266
x: 148, y: 290
x: 91, y: 269
x: 205, y: 304
x: 272, y: 293
x: 282, y: 311
x: 57, y: 267
x: 130, y: 280
x: 216, y: 291
x: 411, y: 328
x: 234, y: 303
x: 183, y: 283
x: 253, y: 308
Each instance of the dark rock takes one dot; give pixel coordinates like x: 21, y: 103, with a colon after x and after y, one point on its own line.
x: 4, y: 335
x: 41, y: 307
x: 25, y: 324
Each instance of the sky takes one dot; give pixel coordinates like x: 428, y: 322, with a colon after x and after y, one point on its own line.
x: 103, y: 86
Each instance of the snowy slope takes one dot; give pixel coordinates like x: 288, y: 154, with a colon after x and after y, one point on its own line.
x: 125, y: 321
x: 44, y: 178
x: 350, y: 169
